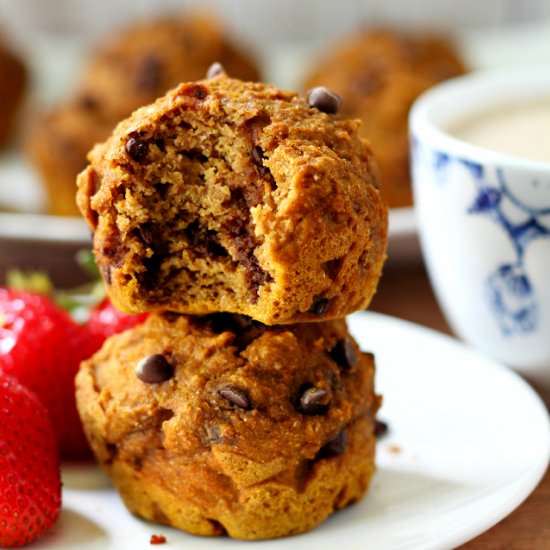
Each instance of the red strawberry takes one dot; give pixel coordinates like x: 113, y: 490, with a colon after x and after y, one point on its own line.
x: 30, y: 485
x: 106, y: 320
x: 42, y: 347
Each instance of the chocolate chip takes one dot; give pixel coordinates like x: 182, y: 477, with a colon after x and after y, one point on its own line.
x: 198, y: 91
x: 332, y: 268
x: 204, y: 241
x: 334, y: 446
x: 313, y: 401
x: 149, y: 74
x: 154, y: 369
x: 324, y: 99
x: 319, y: 306
x: 235, y: 396
x: 214, y: 70
x: 137, y: 149
x: 88, y: 102
x: 381, y: 428
x: 257, y: 155
x: 343, y: 353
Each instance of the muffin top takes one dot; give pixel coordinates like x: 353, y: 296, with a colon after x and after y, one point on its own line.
x: 236, y: 196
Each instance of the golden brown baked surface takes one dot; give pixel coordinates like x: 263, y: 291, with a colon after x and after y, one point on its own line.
x: 379, y: 73
x: 13, y: 80
x: 130, y: 69
x: 236, y: 197
x: 255, y: 431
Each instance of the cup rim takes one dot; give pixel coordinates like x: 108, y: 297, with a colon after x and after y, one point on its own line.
x: 510, y: 86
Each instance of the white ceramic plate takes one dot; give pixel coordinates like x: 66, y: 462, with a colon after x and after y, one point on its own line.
x: 468, y: 442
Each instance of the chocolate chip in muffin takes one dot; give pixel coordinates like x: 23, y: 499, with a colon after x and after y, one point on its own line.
x: 88, y: 102
x: 192, y: 89
x: 149, y: 74
x: 257, y: 156
x: 137, y: 149
x: 324, y: 99
x: 343, y: 353
x: 319, y: 306
x: 154, y: 369
x: 214, y: 70
x: 235, y: 396
x: 334, y: 447
x: 313, y: 401
x: 381, y: 428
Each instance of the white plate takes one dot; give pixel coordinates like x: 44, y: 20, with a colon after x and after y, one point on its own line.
x: 468, y: 442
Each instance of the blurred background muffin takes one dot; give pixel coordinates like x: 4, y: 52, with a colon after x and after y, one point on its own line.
x: 133, y: 67
x: 379, y: 73
x: 13, y: 80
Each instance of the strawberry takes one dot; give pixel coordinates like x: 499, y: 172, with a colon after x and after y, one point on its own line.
x: 105, y: 320
x: 30, y: 484
x: 42, y: 347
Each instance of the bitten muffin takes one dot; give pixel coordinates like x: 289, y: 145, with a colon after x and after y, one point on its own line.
x: 219, y: 424
x: 236, y: 197
x: 133, y: 68
x: 379, y: 73
x: 13, y: 79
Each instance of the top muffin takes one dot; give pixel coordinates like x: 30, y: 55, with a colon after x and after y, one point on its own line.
x: 380, y: 72
x: 226, y: 196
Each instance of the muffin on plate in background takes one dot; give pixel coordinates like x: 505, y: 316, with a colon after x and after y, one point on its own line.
x: 132, y: 68
x: 379, y: 73
x: 13, y: 80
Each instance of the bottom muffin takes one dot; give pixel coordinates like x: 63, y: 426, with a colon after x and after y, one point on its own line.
x: 219, y: 424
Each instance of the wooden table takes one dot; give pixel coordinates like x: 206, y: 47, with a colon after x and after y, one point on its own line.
x: 405, y: 292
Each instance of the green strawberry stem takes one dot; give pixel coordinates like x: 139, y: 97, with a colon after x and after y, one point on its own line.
x: 77, y: 301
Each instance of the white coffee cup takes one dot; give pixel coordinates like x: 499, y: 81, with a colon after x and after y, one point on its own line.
x: 484, y: 216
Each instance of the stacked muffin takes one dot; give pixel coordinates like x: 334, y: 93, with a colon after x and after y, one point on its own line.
x: 248, y: 221
x: 132, y: 68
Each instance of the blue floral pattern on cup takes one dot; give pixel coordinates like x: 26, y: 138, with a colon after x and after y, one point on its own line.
x: 510, y: 293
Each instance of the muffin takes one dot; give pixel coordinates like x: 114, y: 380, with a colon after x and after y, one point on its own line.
x: 379, y: 73
x: 133, y: 68
x: 13, y: 76
x: 58, y: 146
x: 226, y: 196
x: 144, y: 61
x: 219, y: 424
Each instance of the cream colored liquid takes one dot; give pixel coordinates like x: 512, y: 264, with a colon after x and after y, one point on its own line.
x: 519, y: 130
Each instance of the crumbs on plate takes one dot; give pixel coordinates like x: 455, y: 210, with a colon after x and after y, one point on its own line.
x: 157, y: 539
